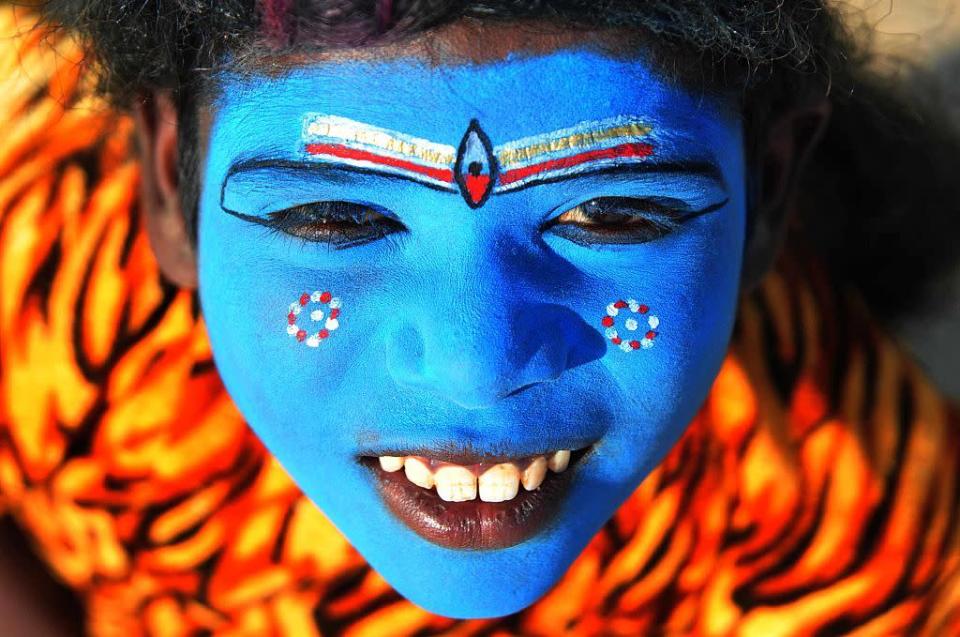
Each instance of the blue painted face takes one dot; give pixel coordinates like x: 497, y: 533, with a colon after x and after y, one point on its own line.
x: 521, y: 257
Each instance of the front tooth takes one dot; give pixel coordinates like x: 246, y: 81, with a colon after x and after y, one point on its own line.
x: 418, y: 473
x: 534, y: 474
x: 455, y: 483
x: 391, y: 463
x: 559, y: 461
x: 500, y: 483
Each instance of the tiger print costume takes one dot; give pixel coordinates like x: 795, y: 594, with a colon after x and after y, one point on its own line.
x: 814, y: 494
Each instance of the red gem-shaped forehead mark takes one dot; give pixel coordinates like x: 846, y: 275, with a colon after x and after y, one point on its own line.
x: 475, y: 170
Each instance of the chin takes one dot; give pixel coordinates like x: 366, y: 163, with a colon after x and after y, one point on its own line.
x: 476, y: 584
x: 466, y: 575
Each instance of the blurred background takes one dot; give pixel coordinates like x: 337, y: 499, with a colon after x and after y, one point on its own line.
x: 916, y: 28
x: 923, y: 36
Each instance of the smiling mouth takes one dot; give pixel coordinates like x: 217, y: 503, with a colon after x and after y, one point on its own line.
x: 488, y: 504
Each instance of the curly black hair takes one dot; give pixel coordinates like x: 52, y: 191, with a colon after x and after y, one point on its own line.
x: 881, y: 196
x: 164, y: 43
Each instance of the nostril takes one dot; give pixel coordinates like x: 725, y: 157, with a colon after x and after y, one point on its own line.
x: 520, y: 390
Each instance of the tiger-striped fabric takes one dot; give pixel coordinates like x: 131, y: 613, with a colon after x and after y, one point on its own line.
x: 815, y: 493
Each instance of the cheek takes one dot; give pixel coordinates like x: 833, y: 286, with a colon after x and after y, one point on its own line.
x: 660, y: 385
x: 282, y: 337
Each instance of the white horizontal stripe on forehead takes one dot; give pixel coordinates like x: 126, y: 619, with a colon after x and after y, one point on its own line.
x: 319, y: 128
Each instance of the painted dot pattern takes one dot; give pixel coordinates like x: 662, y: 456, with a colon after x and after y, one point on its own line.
x: 638, y: 329
x: 313, y: 317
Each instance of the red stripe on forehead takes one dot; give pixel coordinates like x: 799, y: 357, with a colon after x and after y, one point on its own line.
x: 621, y: 151
x: 343, y: 152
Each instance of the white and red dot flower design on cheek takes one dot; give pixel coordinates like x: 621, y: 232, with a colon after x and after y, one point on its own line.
x: 319, y: 311
x: 637, y: 331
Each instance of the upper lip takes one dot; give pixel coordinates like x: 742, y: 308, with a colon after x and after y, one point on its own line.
x: 467, y: 455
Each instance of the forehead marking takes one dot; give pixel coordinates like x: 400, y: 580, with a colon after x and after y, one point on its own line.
x: 477, y: 169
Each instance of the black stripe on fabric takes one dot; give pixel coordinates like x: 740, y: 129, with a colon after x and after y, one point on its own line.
x: 80, y: 439
x: 276, y: 553
x: 134, y: 229
x: 206, y: 569
x: 838, y: 343
x: 871, y: 367
x: 782, y: 373
x: 41, y: 284
x: 343, y: 586
x: 880, y: 517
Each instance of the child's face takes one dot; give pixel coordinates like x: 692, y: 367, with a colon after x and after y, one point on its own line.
x: 493, y: 298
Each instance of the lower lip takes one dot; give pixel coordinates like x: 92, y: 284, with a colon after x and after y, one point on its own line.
x: 474, y: 524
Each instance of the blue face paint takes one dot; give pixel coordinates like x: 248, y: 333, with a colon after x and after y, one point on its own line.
x: 474, y: 310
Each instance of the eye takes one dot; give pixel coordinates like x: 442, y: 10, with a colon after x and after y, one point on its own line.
x: 339, y: 224
x: 617, y: 220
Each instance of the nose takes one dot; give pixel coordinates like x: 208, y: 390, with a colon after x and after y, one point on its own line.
x: 482, y: 341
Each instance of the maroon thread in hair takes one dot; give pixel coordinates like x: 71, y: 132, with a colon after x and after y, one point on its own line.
x: 275, y: 20
x: 384, y: 15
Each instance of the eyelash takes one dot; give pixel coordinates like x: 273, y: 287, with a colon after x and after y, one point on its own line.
x: 618, y: 221
x: 604, y: 220
x: 339, y: 224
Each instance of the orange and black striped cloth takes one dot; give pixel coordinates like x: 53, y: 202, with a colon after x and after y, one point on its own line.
x: 814, y: 494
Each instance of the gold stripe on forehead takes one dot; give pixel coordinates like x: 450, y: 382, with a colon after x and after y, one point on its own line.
x: 372, y: 137
x: 576, y: 140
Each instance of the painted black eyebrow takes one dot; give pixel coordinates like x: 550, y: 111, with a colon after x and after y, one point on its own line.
x: 332, y: 172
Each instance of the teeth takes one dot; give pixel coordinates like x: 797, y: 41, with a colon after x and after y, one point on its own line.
x: 391, y: 463
x: 456, y: 483
x: 500, y: 483
x: 559, y: 461
x: 534, y: 474
x: 418, y: 472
